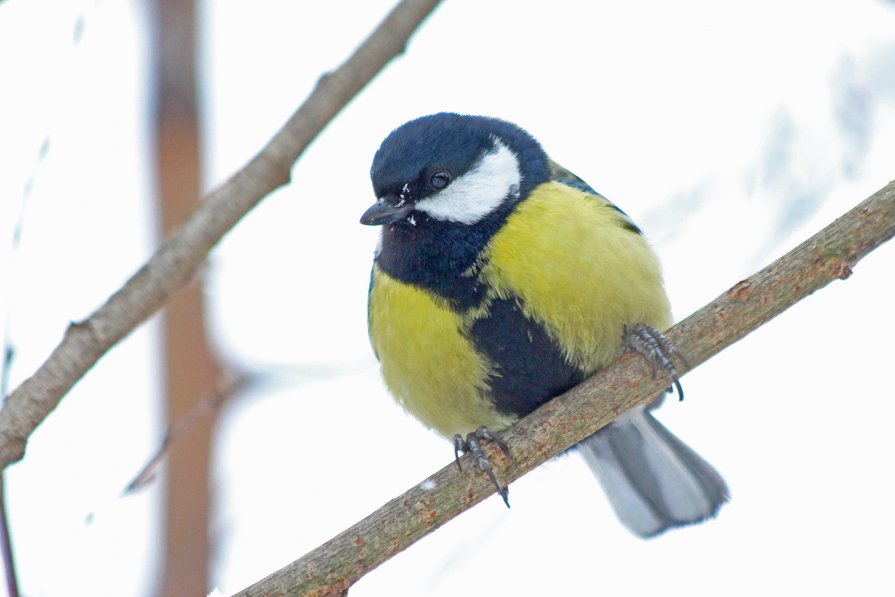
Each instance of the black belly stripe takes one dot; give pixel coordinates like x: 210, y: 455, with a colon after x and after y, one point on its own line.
x: 530, y: 369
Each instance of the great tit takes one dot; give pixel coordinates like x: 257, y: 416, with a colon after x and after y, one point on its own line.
x: 501, y: 280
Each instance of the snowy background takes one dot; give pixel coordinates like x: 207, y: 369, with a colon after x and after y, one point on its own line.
x: 728, y: 131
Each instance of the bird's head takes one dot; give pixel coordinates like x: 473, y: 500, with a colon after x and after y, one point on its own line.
x: 450, y: 168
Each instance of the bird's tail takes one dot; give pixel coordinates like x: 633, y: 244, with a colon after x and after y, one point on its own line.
x: 654, y: 480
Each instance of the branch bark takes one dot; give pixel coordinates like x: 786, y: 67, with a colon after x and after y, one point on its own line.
x: 177, y: 260
x: 828, y: 255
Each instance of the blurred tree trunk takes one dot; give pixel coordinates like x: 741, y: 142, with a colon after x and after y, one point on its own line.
x: 190, y: 368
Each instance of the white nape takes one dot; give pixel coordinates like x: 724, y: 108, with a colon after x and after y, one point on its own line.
x: 480, y: 191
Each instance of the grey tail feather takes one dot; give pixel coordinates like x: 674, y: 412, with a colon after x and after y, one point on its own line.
x: 654, y: 481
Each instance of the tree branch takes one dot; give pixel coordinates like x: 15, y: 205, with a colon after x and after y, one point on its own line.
x: 829, y: 255
x: 178, y: 259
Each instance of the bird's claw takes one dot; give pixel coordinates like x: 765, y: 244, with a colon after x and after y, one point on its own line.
x: 658, y: 351
x: 472, y: 444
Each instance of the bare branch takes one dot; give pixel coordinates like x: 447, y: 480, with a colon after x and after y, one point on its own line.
x: 829, y: 255
x: 178, y: 259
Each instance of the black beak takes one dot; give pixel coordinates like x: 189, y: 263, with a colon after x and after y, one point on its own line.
x: 385, y: 211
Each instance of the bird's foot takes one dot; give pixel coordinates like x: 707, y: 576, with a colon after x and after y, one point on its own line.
x: 658, y: 351
x: 472, y: 444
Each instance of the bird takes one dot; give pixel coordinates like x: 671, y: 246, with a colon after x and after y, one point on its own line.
x: 499, y: 281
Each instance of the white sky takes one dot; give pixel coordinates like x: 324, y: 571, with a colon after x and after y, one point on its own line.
x: 729, y: 132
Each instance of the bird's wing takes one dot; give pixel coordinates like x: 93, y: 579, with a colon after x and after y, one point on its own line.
x: 560, y: 174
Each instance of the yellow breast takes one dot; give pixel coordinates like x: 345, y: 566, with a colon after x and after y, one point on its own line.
x: 428, y: 364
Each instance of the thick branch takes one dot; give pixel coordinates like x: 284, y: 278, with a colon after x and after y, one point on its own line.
x: 829, y: 255
x: 177, y: 260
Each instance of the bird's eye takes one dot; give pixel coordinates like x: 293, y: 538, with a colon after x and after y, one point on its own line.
x: 440, y: 179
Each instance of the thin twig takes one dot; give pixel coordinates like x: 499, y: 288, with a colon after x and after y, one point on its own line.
x: 178, y: 259
x: 829, y: 255
x: 6, y: 553
x: 9, y: 561
x: 9, y: 354
x: 225, y: 387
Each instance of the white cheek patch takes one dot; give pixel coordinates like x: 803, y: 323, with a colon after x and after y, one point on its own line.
x: 480, y: 191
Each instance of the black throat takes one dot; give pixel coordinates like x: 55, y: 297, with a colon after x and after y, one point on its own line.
x: 439, y: 256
